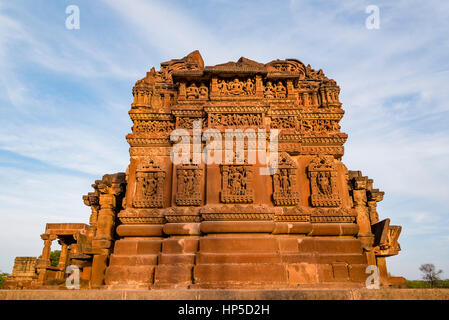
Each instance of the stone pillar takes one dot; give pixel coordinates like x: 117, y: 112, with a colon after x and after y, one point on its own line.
x: 373, y: 215
x: 383, y: 274
x: 63, y: 256
x: 182, y: 91
x: 44, y: 261
x: 99, y: 265
x: 110, y: 193
x: 290, y: 90
x: 213, y: 88
x: 47, y: 247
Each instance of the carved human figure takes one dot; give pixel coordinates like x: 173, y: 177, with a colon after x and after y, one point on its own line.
x: 323, y: 183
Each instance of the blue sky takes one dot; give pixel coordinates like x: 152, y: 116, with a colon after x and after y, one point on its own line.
x: 65, y: 94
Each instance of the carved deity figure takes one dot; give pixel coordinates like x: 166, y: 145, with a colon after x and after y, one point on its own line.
x: 249, y: 87
x: 285, y: 181
x: 153, y: 184
x: 189, y: 185
x: 237, y: 181
x: 235, y: 87
x: 323, y: 183
x: 203, y: 91
x: 269, y: 90
x: 281, y: 92
x: 322, y: 172
x: 222, y: 87
x: 236, y: 184
x: 192, y: 92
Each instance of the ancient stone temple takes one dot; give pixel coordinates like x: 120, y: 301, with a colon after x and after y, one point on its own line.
x: 309, y: 222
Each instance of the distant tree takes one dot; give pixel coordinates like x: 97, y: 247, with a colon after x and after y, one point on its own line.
x: 54, y: 257
x: 430, y: 273
x: 3, y: 276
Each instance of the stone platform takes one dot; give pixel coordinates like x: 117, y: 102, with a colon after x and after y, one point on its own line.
x: 304, y: 294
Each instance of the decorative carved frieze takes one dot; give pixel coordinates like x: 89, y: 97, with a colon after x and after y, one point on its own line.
x: 289, y: 122
x: 189, y: 185
x: 237, y: 212
x: 235, y: 120
x: 322, y: 173
x: 318, y: 126
x: 152, y: 126
x: 236, y: 186
x: 236, y: 87
x: 149, y: 186
x: 187, y: 122
x: 141, y: 216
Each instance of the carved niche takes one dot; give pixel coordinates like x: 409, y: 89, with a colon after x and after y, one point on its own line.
x: 323, y: 182
x: 236, y: 183
x: 149, y: 186
x: 188, y: 191
x: 284, y: 182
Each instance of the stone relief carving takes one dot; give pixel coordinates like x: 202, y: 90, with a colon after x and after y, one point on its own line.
x: 236, y: 87
x: 235, y: 119
x: 153, y: 126
x: 193, y: 91
x: 323, y: 182
x: 284, y: 182
x: 277, y: 90
x: 321, y: 125
x: 187, y: 122
x: 189, y: 185
x: 149, y: 186
x: 236, y: 183
x: 284, y: 122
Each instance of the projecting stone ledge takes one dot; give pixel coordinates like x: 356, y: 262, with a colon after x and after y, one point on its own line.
x: 192, y: 294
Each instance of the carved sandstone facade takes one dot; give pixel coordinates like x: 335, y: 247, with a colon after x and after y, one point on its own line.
x: 312, y: 223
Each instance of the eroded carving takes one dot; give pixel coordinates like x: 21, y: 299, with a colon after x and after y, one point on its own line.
x: 149, y: 186
x: 323, y: 182
x: 236, y: 184
x: 189, y: 185
x: 284, y: 182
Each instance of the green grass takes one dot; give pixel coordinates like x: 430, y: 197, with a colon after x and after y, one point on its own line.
x: 421, y: 284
